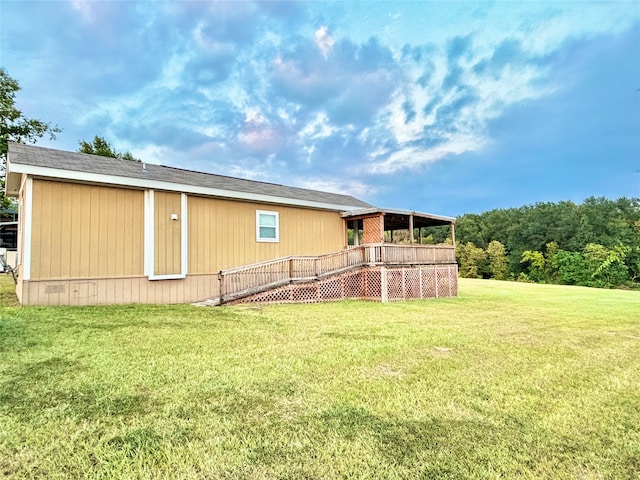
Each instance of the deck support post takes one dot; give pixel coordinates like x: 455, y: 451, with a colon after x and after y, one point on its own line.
x: 221, y: 284
x: 411, y: 232
x: 356, y: 234
x: 383, y: 285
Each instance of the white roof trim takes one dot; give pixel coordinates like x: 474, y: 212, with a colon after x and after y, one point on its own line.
x: 174, y: 187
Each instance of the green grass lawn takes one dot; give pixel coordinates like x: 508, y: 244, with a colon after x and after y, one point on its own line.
x: 507, y: 380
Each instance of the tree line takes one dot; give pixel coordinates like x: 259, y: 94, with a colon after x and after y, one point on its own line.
x: 595, y: 243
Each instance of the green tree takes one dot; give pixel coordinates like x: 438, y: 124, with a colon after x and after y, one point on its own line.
x: 551, y: 228
x: 536, y: 264
x: 471, y: 260
x: 470, y: 228
x: 571, y: 268
x: 15, y: 126
x: 497, y: 255
x: 99, y: 146
x: 606, y: 265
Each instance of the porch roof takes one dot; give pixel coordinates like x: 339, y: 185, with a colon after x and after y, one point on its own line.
x: 399, y: 219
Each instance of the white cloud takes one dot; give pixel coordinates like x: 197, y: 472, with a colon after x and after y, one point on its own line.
x: 324, y: 41
x: 254, y: 116
x: 349, y: 187
x: 409, y: 157
x: 318, y: 127
x: 309, y: 150
x: 382, y: 109
x: 256, y: 133
x: 428, y: 122
x: 152, y: 154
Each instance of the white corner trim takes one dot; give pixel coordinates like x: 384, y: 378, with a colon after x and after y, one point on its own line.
x: 27, y: 228
x: 148, y: 233
x: 184, y: 244
x: 85, y: 177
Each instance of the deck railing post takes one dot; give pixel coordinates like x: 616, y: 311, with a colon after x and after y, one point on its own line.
x: 221, y: 284
x: 383, y: 285
x: 291, y: 270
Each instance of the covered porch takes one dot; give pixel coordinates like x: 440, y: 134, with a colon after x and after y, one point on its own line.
x: 377, y: 225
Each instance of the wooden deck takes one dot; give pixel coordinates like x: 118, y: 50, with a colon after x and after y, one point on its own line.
x: 236, y: 283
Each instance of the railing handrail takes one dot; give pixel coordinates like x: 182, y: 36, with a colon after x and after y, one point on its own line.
x: 265, y: 263
x: 366, y: 255
x: 409, y: 245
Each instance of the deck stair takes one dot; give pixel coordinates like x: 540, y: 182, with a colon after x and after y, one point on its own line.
x: 236, y: 284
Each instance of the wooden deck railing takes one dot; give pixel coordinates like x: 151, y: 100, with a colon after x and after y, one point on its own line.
x: 257, y: 277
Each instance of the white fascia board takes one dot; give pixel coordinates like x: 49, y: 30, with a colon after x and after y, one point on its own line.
x: 12, y: 184
x: 173, y: 187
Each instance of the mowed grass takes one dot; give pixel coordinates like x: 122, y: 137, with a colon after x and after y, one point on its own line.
x: 506, y: 381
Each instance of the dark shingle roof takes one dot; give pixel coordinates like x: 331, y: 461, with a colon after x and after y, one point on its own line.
x: 21, y: 154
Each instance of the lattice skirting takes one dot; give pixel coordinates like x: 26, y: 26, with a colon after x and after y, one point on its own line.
x: 368, y: 283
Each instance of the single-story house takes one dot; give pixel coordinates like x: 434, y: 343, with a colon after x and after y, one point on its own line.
x: 100, y: 230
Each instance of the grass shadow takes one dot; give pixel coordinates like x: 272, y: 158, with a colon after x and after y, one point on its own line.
x: 35, y: 388
x: 408, y: 443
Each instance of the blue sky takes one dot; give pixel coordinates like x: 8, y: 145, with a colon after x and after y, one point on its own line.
x: 443, y: 107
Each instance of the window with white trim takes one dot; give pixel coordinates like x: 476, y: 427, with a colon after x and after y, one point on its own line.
x: 267, y: 226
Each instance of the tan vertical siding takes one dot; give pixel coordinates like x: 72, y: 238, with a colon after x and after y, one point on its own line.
x: 103, y: 291
x: 222, y: 233
x: 167, y: 253
x: 82, y: 231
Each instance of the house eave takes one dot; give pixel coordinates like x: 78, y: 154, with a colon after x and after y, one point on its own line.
x: 14, y: 170
x: 12, y: 181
